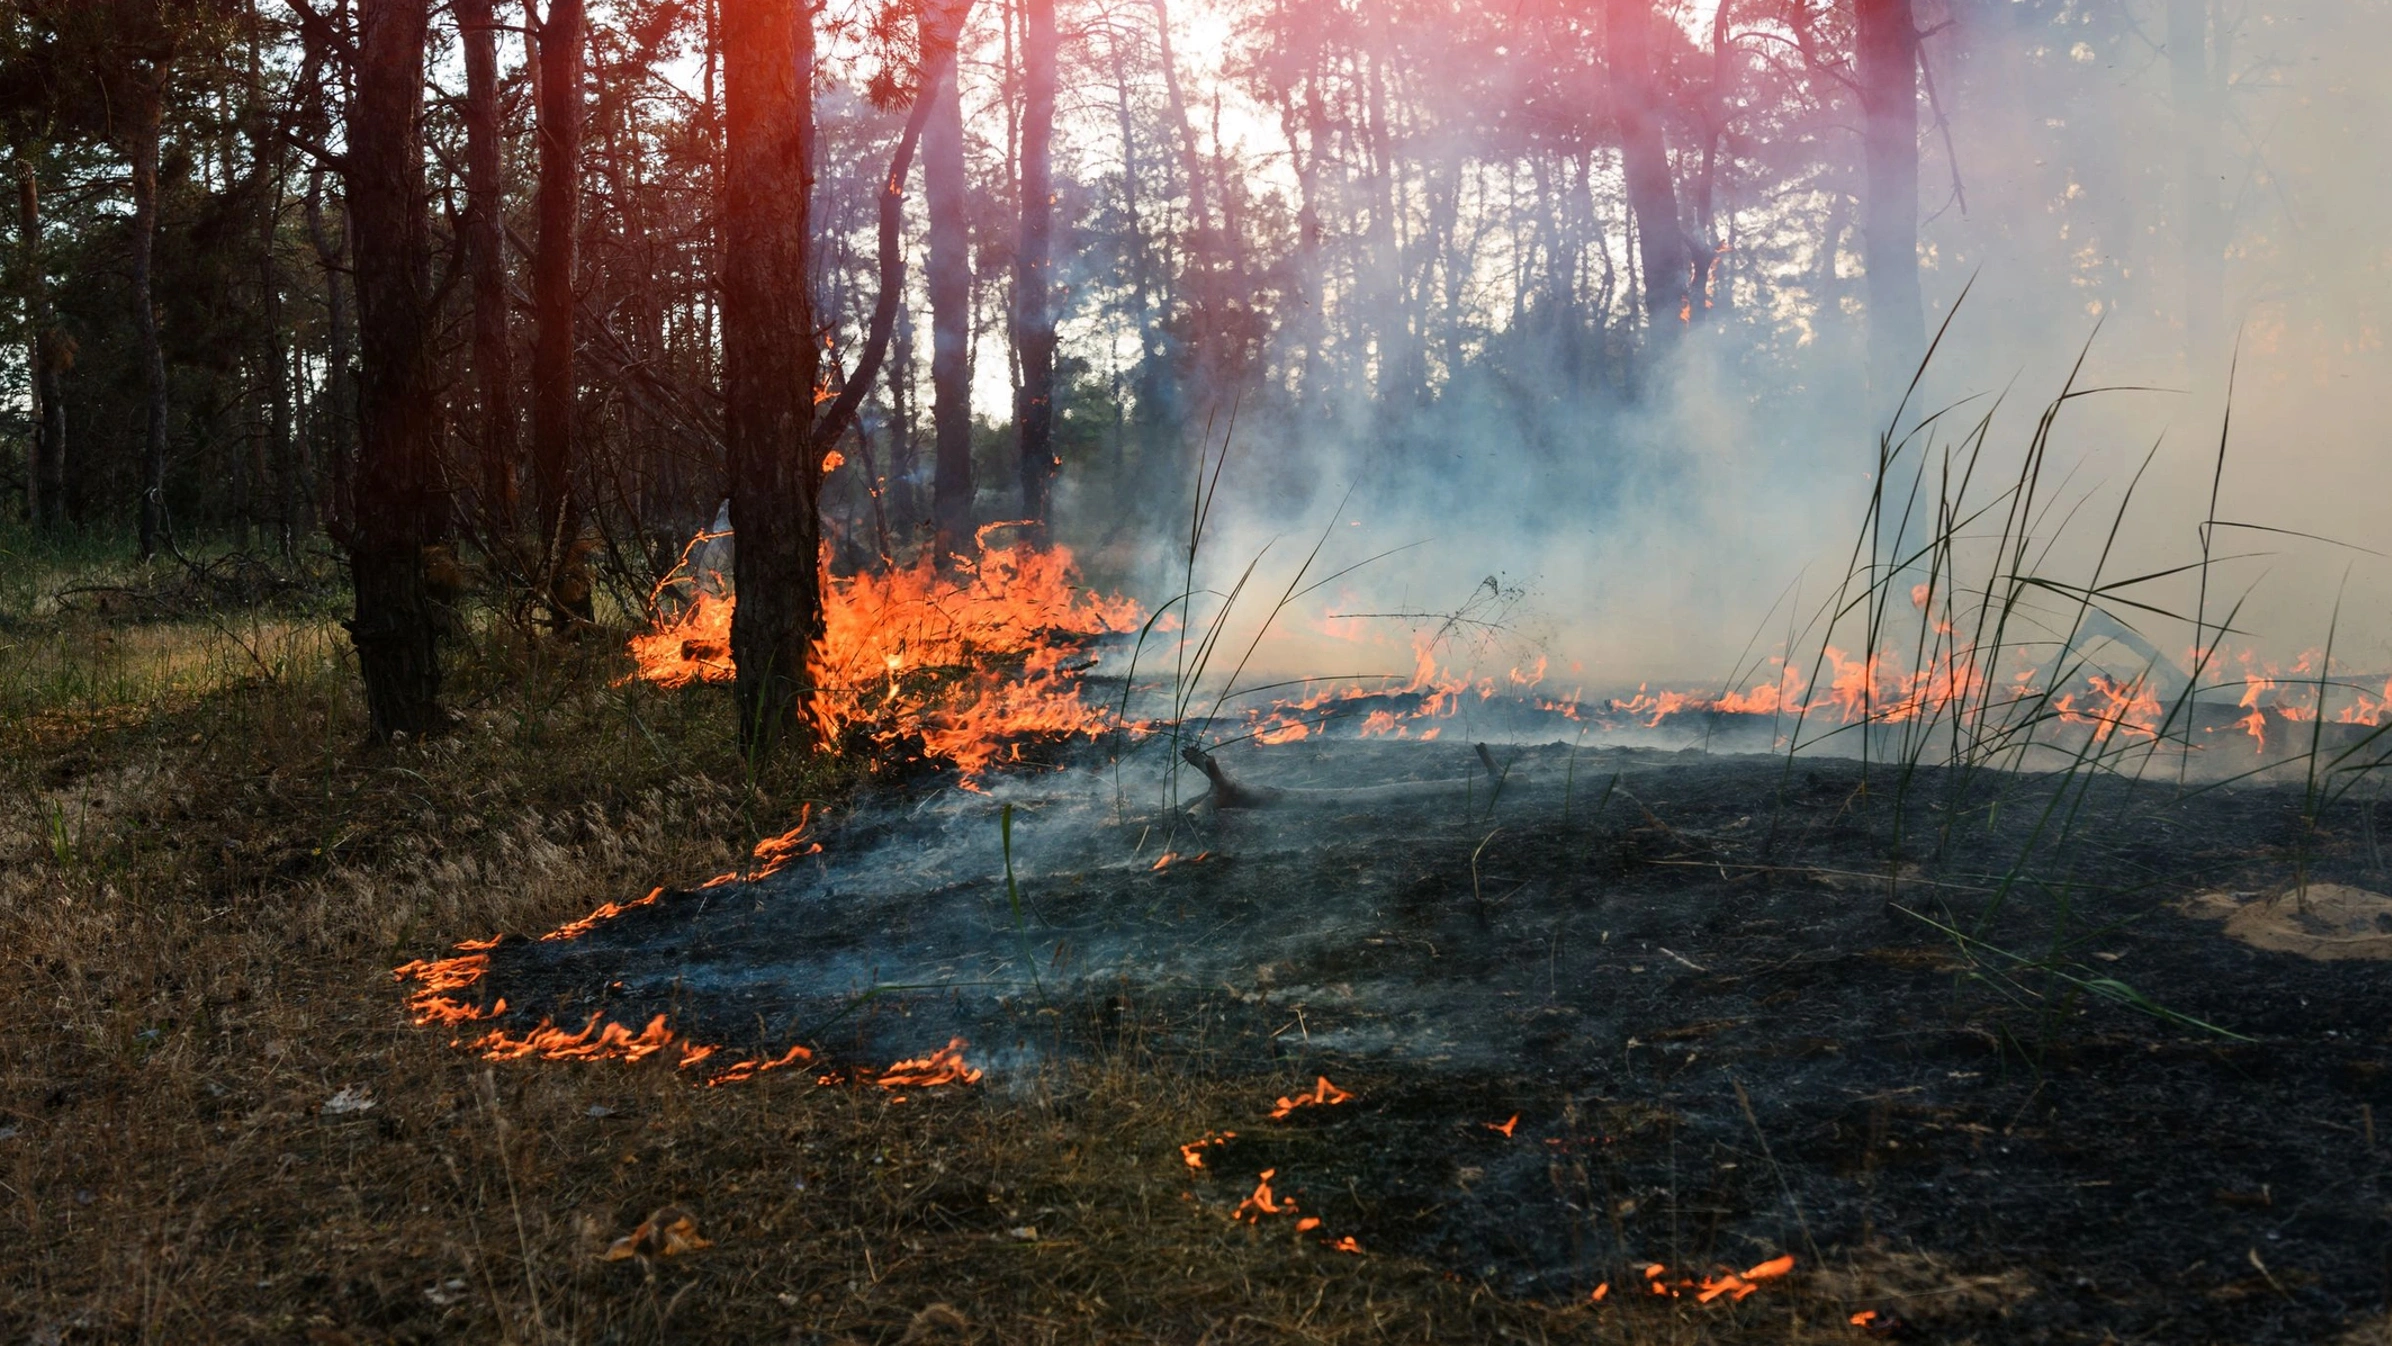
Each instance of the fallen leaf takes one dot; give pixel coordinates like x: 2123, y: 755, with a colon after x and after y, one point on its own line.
x: 669, y: 1232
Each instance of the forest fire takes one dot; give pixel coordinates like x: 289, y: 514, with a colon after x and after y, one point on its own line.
x: 440, y: 983
x: 969, y: 661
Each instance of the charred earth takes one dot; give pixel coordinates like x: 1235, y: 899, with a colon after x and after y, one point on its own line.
x: 1974, y: 1047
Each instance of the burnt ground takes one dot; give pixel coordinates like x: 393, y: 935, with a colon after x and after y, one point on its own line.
x: 1707, y: 987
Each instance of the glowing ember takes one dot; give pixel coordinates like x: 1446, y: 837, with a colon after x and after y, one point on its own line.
x: 750, y: 1069
x: 1192, y: 1153
x: 1343, y: 1245
x: 944, y: 1066
x: 968, y: 661
x: 1263, y: 1201
x: 1601, y: 1292
x: 1324, y: 1094
x: 1728, y: 1284
x: 1503, y: 1129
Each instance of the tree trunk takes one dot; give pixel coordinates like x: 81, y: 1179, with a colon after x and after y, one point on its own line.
x: 1034, y: 317
x: 338, y: 417
x: 396, y: 629
x: 1644, y: 162
x: 950, y: 278
x: 1886, y: 50
x: 770, y: 365
x: 45, y: 450
x: 148, y: 92
x: 558, y: 207
x: 485, y: 244
x: 2193, y: 88
x: 273, y: 359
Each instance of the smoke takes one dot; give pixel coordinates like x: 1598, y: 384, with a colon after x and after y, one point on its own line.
x: 1672, y: 518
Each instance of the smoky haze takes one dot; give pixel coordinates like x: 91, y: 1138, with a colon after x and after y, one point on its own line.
x: 1665, y: 502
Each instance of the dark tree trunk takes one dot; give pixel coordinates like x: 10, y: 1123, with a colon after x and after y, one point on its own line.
x: 336, y: 416
x: 396, y: 628
x: 274, y: 366
x: 770, y: 364
x: 485, y: 243
x: 950, y: 278
x: 45, y: 452
x: 1033, y: 282
x: 558, y: 206
x: 905, y: 511
x: 148, y: 92
x: 1644, y: 161
x: 1886, y: 50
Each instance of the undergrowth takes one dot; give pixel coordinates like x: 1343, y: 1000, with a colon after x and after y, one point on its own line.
x: 206, y: 876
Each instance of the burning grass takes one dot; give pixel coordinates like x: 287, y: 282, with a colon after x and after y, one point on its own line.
x: 219, y: 1121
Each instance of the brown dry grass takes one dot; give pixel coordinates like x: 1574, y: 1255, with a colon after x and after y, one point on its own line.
x: 204, y: 881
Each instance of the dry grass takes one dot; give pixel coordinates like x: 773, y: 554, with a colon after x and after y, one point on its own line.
x: 204, y: 881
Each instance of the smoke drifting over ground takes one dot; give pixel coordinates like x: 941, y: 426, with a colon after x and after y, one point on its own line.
x: 1664, y: 523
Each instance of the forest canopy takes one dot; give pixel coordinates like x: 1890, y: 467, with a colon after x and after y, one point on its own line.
x: 532, y: 290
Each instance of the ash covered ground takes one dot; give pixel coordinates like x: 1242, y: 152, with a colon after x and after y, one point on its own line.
x: 1963, y: 1039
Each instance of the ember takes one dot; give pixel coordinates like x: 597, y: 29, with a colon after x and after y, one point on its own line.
x: 1192, y: 1153
x: 1707, y: 1288
x: 1263, y: 1201
x: 1324, y: 1094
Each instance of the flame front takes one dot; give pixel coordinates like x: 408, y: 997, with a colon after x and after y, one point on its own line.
x: 970, y: 661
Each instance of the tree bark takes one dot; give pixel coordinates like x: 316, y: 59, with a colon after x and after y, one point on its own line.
x: 273, y: 357
x: 45, y: 455
x: 147, y: 92
x: 950, y: 279
x: 771, y: 365
x: 396, y: 629
x: 558, y: 206
x: 337, y: 410
x: 485, y: 243
x: 1886, y: 51
x: 1034, y: 318
x: 1644, y: 162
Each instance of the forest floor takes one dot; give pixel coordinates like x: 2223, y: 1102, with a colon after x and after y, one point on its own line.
x: 218, y: 1123
x: 206, y: 878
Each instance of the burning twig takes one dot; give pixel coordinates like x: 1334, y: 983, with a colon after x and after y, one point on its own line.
x: 1324, y: 1094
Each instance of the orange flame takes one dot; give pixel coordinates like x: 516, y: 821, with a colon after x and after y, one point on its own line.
x: 1264, y: 1201
x: 944, y: 1066
x: 1324, y: 1094
x: 605, y: 913
x: 1730, y: 1284
x: 990, y: 648
x: 1503, y: 1129
x: 1192, y: 1153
